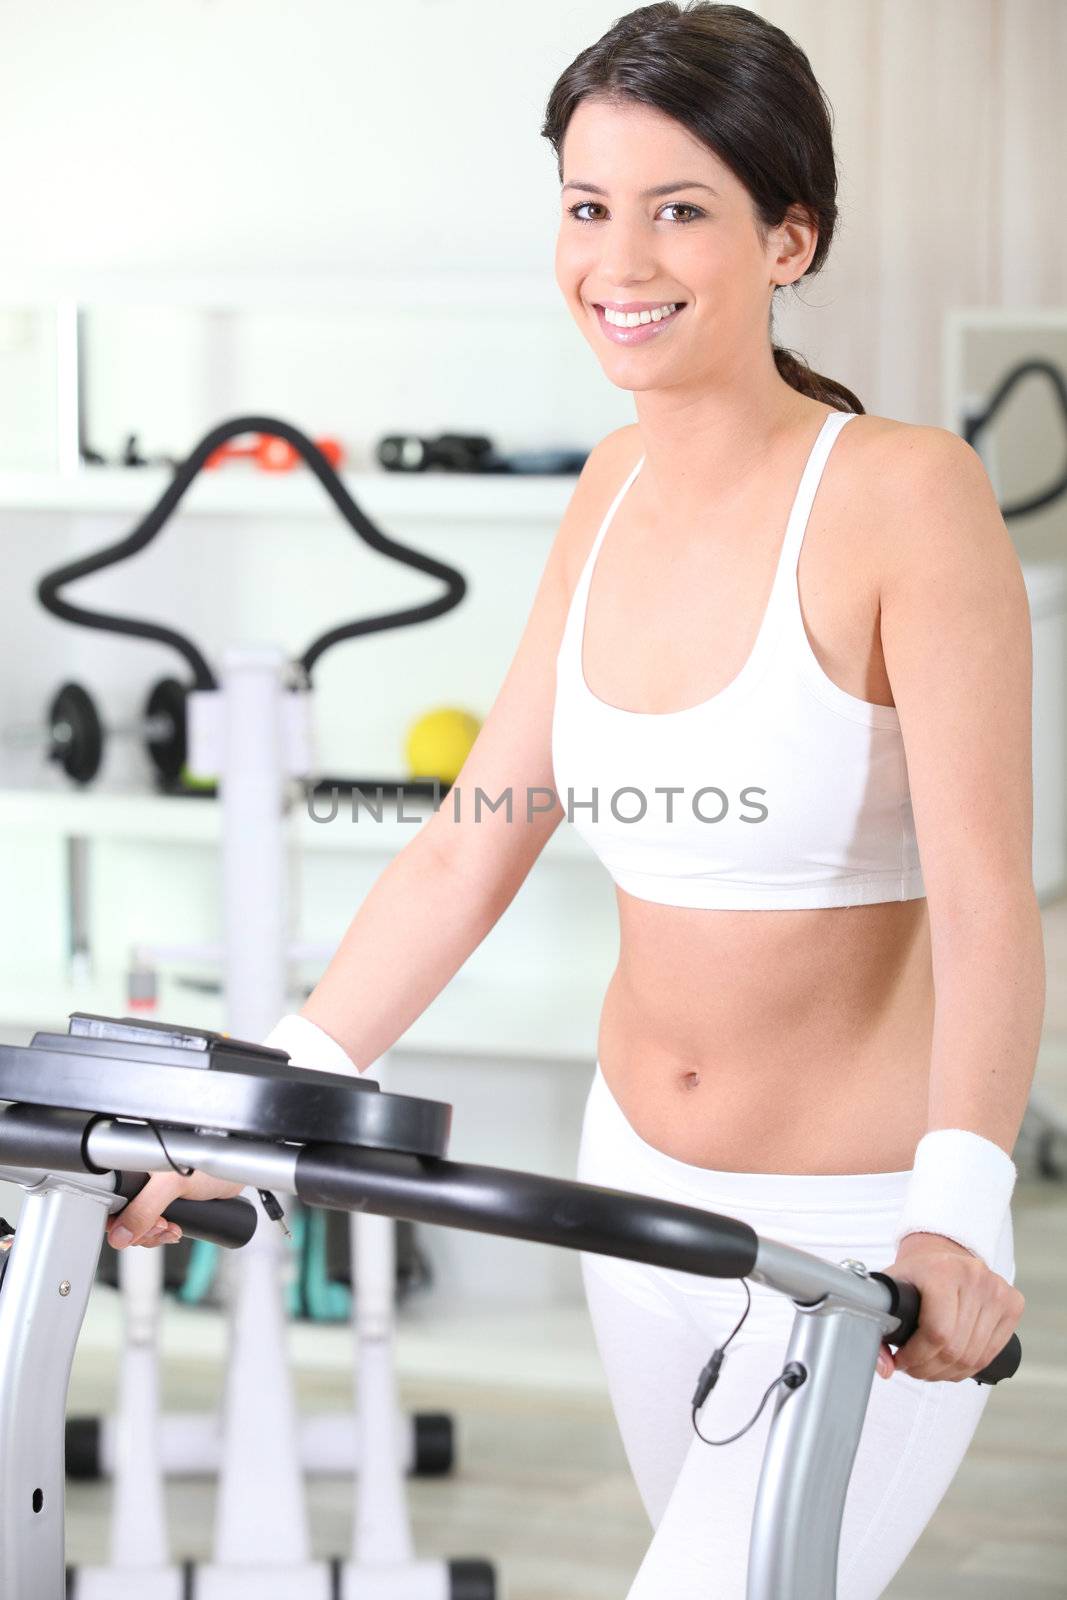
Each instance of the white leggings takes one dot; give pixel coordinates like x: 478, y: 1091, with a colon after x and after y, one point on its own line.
x: 655, y: 1328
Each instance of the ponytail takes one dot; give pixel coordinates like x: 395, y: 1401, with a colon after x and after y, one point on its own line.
x: 796, y: 372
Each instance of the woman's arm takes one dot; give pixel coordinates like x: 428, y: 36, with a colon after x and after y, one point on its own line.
x: 436, y: 901
x: 956, y: 632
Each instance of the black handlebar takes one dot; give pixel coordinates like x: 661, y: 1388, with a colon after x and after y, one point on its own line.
x: 905, y: 1304
x: 228, y: 1223
x: 203, y: 677
x: 418, y: 1188
x: 576, y: 1215
x: 525, y: 1205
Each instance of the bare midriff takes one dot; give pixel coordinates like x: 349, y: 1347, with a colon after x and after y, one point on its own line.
x: 772, y: 1041
x: 777, y: 1041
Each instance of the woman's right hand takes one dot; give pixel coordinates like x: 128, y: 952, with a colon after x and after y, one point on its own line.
x: 141, y: 1220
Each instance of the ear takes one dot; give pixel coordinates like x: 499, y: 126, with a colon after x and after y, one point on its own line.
x: 793, y: 244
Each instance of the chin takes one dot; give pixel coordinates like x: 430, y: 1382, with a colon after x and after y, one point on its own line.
x: 629, y: 388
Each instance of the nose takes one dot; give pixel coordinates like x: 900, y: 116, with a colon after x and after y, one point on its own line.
x: 628, y: 256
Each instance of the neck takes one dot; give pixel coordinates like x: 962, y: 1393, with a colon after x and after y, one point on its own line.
x: 703, y: 447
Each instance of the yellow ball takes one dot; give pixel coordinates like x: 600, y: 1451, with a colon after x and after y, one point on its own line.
x: 439, y: 742
x: 195, y: 780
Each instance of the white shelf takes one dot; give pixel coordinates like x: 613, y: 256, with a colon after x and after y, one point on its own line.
x: 480, y: 1014
x: 240, y: 490
x: 99, y: 814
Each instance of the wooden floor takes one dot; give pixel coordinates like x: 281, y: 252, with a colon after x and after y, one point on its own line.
x: 543, y: 1489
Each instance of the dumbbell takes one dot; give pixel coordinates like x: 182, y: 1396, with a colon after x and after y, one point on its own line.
x: 74, y: 736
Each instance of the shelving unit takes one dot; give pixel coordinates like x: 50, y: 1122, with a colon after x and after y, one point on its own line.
x: 501, y: 1022
x: 97, y: 814
x: 45, y: 311
x: 503, y: 1019
x: 237, y: 490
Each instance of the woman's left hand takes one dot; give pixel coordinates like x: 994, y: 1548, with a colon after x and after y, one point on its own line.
x: 967, y: 1315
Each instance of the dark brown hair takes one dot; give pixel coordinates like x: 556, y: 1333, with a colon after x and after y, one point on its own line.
x: 743, y: 88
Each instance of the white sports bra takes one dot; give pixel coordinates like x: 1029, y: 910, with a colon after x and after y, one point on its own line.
x: 780, y: 791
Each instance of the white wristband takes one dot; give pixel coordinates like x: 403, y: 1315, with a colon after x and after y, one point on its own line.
x: 961, y: 1186
x: 308, y: 1045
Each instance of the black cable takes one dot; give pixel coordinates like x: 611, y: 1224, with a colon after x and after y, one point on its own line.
x: 792, y: 1376
x: 185, y: 1172
x: 272, y: 1206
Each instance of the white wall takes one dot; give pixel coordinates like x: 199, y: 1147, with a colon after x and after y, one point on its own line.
x: 242, y: 133
x: 403, y: 140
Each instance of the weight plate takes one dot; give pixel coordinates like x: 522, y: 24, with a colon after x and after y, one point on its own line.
x: 168, y: 699
x: 81, y: 754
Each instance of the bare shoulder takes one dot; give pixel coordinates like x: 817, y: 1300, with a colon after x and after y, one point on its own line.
x: 927, y: 495
x: 893, y: 458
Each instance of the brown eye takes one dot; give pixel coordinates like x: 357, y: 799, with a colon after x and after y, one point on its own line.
x: 673, y: 205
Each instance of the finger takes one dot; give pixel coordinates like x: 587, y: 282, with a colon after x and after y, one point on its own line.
x: 886, y: 1363
x: 968, y: 1342
x: 993, y: 1326
x: 153, y: 1235
x: 950, y: 1343
x: 931, y: 1367
x: 922, y: 1356
x: 131, y: 1223
x: 166, y: 1233
x: 916, y: 1355
x: 991, y: 1335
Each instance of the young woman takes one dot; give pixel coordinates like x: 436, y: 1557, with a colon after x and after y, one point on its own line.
x: 778, y: 674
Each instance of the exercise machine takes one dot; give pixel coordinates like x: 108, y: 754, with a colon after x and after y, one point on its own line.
x: 250, y: 726
x: 115, y: 1098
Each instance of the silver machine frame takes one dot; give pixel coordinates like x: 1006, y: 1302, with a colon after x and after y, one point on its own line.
x: 841, y: 1318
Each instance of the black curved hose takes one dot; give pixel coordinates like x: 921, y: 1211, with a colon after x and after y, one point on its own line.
x: 146, y: 530
x: 977, y: 424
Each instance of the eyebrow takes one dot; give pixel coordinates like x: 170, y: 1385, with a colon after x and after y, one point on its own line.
x: 647, y: 194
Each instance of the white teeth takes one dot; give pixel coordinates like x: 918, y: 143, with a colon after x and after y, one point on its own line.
x: 632, y: 319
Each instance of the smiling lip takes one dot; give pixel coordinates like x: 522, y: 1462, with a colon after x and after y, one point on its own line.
x: 642, y: 330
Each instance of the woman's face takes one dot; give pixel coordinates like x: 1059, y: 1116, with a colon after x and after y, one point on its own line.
x: 693, y: 242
